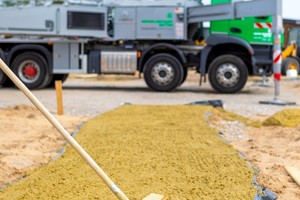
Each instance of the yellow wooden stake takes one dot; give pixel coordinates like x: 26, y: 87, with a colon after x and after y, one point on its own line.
x: 58, y: 88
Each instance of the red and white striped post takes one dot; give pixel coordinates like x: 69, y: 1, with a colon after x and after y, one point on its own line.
x: 277, y: 30
x: 277, y: 61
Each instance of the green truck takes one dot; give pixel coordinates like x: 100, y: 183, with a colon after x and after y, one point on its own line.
x: 254, y: 30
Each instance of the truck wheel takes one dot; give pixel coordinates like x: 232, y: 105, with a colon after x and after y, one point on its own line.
x: 290, y: 64
x: 228, y: 74
x: 163, y: 72
x: 3, y: 77
x: 185, y: 72
x: 31, y: 68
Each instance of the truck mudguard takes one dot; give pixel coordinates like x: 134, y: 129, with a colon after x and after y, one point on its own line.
x: 214, y: 40
x: 29, y: 47
x: 161, y: 45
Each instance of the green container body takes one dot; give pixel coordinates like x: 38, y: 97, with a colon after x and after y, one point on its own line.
x: 244, y: 28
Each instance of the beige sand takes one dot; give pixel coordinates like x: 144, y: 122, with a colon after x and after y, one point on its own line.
x: 28, y: 141
x: 270, y: 148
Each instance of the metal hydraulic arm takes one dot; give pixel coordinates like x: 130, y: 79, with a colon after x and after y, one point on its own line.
x: 233, y: 10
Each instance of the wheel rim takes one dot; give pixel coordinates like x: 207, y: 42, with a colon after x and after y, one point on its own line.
x: 162, y: 73
x: 228, y: 75
x: 29, y: 71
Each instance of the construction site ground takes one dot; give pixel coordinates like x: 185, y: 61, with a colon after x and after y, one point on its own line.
x: 28, y: 142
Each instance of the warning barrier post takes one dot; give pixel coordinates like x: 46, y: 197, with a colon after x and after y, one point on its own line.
x: 277, y: 30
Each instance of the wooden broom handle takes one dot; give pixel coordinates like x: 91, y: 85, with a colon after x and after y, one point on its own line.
x: 63, y: 132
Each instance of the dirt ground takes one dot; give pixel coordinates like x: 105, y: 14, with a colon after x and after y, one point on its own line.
x: 269, y: 149
x: 28, y: 141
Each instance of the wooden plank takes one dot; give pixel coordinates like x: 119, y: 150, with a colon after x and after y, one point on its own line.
x: 153, y: 196
x: 294, y: 172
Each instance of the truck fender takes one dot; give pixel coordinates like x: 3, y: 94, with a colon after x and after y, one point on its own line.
x: 214, y: 40
x: 203, y: 59
x: 30, y: 47
x: 157, y: 46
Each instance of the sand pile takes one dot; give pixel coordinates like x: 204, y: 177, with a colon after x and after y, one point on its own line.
x: 286, y: 118
x: 162, y: 149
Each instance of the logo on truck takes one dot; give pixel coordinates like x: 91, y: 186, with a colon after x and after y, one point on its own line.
x: 168, y: 22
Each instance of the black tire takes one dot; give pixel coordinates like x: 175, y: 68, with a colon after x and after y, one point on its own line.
x: 31, y: 68
x: 60, y: 77
x: 228, y: 74
x: 185, y: 72
x: 163, y: 72
x: 290, y: 63
x: 3, y: 77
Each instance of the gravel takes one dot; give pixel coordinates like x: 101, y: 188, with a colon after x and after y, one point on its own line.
x: 91, y: 96
x: 232, y: 130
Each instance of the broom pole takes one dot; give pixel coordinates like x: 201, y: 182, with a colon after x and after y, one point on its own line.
x: 113, y: 187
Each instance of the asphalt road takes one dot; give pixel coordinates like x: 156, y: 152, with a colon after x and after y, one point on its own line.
x: 90, y: 96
